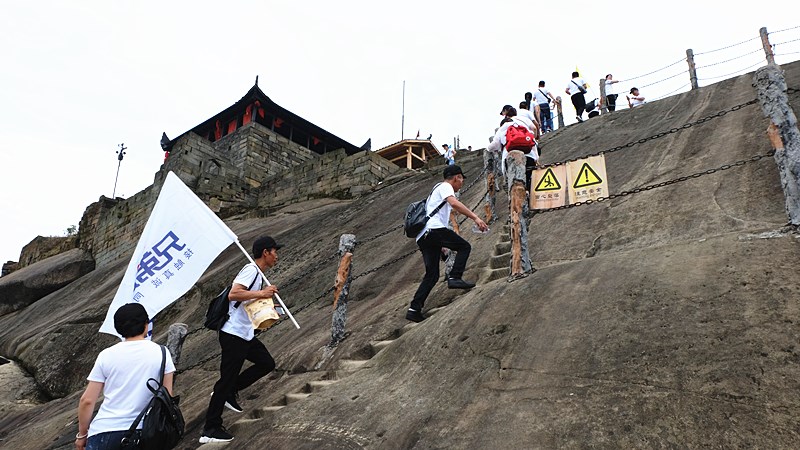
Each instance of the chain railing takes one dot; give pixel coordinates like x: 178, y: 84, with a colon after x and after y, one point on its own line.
x: 479, y: 177
x: 658, y: 185
x: 659, y: 135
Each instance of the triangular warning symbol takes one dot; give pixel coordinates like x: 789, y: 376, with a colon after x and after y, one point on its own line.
x: 586, y: 177
x: 549, y: 182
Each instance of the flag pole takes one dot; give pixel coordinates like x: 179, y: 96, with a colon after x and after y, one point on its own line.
x: 278, y: 297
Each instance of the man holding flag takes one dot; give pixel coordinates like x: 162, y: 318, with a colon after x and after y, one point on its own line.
x: 238, y: 342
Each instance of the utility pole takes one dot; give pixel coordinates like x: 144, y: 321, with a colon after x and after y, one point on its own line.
x: 120, y: 155
x: 403, y: 117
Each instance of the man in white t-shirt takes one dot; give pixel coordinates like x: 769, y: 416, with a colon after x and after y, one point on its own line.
x: 238, y: 342
x: 436, y: 235
x: 542, y: 97
x: 575, y: 89
x: 121, y: 372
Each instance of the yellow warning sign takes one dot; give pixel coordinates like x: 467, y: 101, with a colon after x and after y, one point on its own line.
x: 549, y: 187
x: 587, y: 179
x: 549, y: 182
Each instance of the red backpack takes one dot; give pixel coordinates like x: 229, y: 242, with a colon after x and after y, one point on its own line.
x: 518, y: 137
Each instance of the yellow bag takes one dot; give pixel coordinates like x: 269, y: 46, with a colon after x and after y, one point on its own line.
x: 262, y: 313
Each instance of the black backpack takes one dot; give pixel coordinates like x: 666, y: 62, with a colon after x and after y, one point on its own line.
x: 163, y: 421
x: 416, y: 216
x: 217, y: 313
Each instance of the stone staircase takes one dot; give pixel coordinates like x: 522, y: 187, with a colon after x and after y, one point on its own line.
x: 264, y: 415
x: 500, y: 260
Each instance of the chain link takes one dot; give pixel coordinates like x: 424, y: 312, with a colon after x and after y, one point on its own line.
x: 658, y: 185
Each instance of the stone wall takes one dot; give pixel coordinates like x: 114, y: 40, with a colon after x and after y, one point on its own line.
x: 250, y: 168
x: 42, y: 247
x: 333, y: 175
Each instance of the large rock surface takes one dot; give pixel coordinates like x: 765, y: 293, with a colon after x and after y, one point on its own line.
x: 30, y: 283
x: 663, y: 319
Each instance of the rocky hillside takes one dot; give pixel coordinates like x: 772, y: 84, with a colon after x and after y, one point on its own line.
x: 667, y: 318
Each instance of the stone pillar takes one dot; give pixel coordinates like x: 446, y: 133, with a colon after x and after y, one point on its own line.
x: 784, y: 135
x: 603, y: 106
x: 491, y: 166
x: 559, y: 112
x: 692, y: 69
x: 175, y: 338
x: 347, y: 243
x: 515, y: 175
x: 767, y: 46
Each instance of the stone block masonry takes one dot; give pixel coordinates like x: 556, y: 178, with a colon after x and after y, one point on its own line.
x: 333, y: 175
x: 252, y: 167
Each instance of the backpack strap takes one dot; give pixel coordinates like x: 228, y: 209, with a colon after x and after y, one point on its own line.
x: 435, y: 210
x: 236, y: 305
x: 545, y: 96
x: 132, y: 429
x: 580, y: 88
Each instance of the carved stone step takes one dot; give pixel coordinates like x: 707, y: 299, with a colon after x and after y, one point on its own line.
x: 241, y: 424
x: 505, y: 237
x: 407, y: 327
x: 433, y: 311
x: 380, y: 345
x: 500, y: 261
x: 506, y: 229
x: 296, y: 397
x: 502, y: 248
x: 316, y: 386
x: 351, y: 364
x: 498, y: 274
x: 265, y: 411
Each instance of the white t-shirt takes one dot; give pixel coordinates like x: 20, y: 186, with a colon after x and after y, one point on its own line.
x: 572, y: 88
x: 541, y: 98
x: 635, y: 100
x: 124, y: 369
x: 442, y: 217
x: 609, y: 87
x: 239, y: 323
x: 526, y: 113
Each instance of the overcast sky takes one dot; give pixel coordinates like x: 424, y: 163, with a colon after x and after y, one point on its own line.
x: 81, y: 77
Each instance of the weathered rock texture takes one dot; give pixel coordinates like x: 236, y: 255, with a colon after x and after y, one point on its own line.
x: 33, y: 282
x: 664, y: 319
x: 44, y: 247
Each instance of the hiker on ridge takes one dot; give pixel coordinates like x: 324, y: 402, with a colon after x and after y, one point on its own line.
x: 436, y: 235
x: 499, y: 142
x: 238, y: 341
x: 575, y: 89
x: 542, y: 96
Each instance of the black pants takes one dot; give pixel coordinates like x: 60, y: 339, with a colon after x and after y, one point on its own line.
x: 611, y: 101
x: 530, y: 165
x: 235, y: 351
x: 431, y: 247
x: 579, y: 103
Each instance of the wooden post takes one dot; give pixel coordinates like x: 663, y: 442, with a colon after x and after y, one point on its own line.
x: 347, y: 243
x: 783, y: 134
x: 515, y: 174
x: 491, y: 166
x: 692, y: 69
x: 767, y: 45
x: 559, y: 112
x: 603, y: 106
x: 175, y: 338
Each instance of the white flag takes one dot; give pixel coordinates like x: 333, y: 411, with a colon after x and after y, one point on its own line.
x: 180, y: 240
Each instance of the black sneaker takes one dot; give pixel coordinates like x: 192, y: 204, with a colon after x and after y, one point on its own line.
x: 458, y: 283
x: 414, y: 315
x: 217, y: 435
x: 233, y: 403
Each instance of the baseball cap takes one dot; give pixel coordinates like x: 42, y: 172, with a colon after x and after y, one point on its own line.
x: 264, y: 243
x: 453, y: 170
